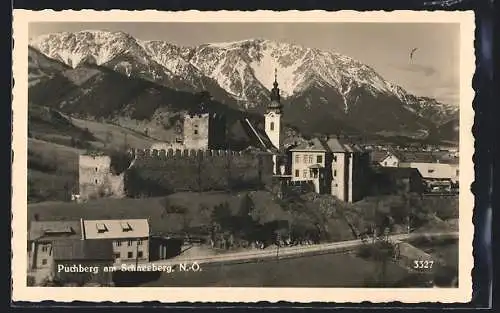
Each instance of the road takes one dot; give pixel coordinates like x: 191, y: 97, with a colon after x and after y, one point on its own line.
x: 285, y: 252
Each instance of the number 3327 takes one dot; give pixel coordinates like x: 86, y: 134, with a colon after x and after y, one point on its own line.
x: 419, y: 264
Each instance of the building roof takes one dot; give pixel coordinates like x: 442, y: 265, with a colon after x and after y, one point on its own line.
x: 378, y: 155
x: 341, y: 145
x: 54, y: 230
x: 312, y: 145
x: 114, y: 229
x: 417, y: 157
x: 75, y: 249
x: 243, y: 134
x: 454, y: 161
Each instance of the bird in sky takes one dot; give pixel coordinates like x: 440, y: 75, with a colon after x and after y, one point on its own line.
x: 412, y: 52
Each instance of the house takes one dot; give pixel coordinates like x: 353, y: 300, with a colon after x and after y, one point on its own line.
x: 130, y: 237
x: 41, y: 236
x: 308, y: 163
x: 349, y: 169
x: 333, y: 165
x: 385, y: 158
x: 83, y: 262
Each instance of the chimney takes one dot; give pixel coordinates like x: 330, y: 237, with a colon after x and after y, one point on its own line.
x: 82, y: 228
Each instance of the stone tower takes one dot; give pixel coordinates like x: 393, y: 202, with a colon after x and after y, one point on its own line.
x: 203, y: 129
x: 273, y: 117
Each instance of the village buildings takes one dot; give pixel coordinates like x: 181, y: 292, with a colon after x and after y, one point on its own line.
x: 437, y: 168
x: 92, y: 243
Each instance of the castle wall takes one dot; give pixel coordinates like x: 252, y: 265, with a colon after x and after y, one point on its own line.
x: 157, y: 172
x: 96, y: 180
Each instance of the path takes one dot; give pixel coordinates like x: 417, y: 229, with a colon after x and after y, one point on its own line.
x: 284, y: 252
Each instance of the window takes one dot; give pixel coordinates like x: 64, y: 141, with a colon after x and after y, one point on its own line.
x: 319, y: 159
x: 272, y: 126
x: 334, y: 173
x: 305, y: 158
x: 125, y: 226
x: 44, y: 261
x: 297, y: 173
x: 196, y: 132
x: 297, y: 158
x: 96, y: 169
x: 430, y: 171
x: 456, y: 174
x: 310, y: 159
x: 96, y: 181
x: 139, y: 254
x: 304, y: 173
x: 334, y: 158
x: 116, y: 255
x: 101, y: 227
x: 129, y: 243
x: 130, y: 255
x: 118, y: 243
x: 44, y: 248
x: 385, y: 163
x: 139, y: 242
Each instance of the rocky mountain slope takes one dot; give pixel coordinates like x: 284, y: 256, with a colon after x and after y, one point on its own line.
x: 322, y: 91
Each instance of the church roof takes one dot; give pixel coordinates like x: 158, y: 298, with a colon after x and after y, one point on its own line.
x: 243, y: 134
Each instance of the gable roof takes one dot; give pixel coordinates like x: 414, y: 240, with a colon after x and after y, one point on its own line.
x: 312, y: 145
x: 418, y: 157
x: 113, y: 229
x: 342, y: 145
x: 54, y: 230
x: 64, y: 250
x: 243, y: 134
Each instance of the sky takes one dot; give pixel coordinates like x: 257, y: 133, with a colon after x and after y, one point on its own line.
x: 434, y: 70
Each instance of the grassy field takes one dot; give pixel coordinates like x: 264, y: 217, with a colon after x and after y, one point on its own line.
x: 330, y: 270
x: 53, y: 157
x: 116, y: 136
x: 198, y: 209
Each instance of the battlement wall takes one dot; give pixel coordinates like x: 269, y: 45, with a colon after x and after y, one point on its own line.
x: 164, y: 171
x: 176, y: 152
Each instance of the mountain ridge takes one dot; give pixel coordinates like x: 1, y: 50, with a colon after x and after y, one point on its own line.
x: 239, y: 74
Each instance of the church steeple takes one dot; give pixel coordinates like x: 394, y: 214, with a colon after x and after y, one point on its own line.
x: 275, y: 92
x: 275, y: 105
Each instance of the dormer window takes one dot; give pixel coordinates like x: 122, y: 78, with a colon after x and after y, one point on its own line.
x: 125, y: 226
x: 101, y: 228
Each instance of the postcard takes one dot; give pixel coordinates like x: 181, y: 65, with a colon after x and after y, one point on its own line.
x: 242, y: 156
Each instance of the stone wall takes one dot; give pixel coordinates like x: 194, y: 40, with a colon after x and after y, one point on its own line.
x: 157, y: 172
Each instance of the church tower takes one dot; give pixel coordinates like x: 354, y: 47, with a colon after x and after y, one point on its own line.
x: 273, y: 115
x: 273, y: 120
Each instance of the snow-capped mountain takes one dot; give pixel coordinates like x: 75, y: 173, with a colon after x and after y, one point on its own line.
x: 314, y: 84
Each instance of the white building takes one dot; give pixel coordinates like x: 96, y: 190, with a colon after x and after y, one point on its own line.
x: 333, y: 165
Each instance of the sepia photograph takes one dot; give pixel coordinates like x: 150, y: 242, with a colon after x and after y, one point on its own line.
x: 327, y: 153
